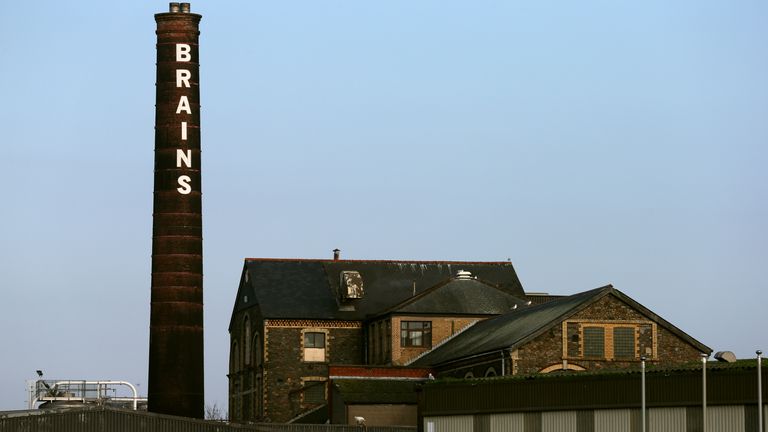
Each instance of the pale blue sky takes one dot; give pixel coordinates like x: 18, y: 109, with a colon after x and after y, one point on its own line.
x: 591, y: 142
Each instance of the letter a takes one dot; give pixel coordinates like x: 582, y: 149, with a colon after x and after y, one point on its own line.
x: 183, y: 53
x: 183, y: 106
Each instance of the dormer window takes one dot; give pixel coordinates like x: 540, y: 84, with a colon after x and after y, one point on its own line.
x: 351, y: 285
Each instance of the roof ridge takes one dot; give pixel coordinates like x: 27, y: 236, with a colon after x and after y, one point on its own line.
x: 331, y: 260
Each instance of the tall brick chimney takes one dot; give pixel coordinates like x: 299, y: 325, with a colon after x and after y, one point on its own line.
x: 176, y: 384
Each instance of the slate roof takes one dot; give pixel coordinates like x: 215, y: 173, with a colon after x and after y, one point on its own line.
x: 459, y: 297
x: 515, y: 328
x: 377, y: 391
x: 308, y: 289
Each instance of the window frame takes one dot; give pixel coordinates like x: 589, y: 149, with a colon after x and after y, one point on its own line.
x: 644, y: 343
x: 408, y: 329
x: 311, y: 383
x: 591, y: 336
x: 310, y: 352
x: 616, y: 342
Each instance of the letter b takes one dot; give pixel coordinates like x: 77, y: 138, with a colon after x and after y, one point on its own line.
x: 183, y: 53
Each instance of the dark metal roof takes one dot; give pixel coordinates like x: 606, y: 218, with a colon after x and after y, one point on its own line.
x: 515, y: 328
x: 377, y: 391
x: 308, y: 289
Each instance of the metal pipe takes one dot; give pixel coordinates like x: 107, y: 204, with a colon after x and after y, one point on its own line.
x: 502, y: 363
x: 704, y: 392
x: 759, y: 390
x: 642, y: 391
x: 69, y: 383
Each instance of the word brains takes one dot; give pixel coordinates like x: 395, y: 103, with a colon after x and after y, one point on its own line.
x: 183, y: 156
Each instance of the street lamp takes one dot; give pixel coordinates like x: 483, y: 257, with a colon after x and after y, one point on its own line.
x: 642, y: 370
x: 704, y: 391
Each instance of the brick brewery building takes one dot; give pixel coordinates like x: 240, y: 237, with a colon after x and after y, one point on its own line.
x: 317, y: 340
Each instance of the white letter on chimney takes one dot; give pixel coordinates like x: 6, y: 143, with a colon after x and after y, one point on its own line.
x: 184, y: 131
x: 183, y: 156
x: 183, y: 53
x: 184, y: 188
x: 183, y: 106
x: 182, y: 77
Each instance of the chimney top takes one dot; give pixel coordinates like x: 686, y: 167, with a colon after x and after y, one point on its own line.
x: 336, y: 254
x: 178, y: 7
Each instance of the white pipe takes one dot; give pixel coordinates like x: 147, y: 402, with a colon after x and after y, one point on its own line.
x: 98, y: 385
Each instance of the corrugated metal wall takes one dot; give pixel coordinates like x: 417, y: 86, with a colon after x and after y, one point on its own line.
x: 735, y: 418
x: 558, y: 421
x: 508, y: 423
x: 619, y: 420
x: 726, y: 419
x: 666, y: 420
x: 463, y: 423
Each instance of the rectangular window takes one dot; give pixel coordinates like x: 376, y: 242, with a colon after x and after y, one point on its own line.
x: 624, y: 342
x: 314, y: 392
x: 314, y: 347
x: 594, y: 342
x: 416, y: 334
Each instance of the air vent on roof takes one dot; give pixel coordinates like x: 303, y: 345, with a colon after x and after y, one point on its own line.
x: 463, y: 274
x: 351, y: 285
x: 725, y: 356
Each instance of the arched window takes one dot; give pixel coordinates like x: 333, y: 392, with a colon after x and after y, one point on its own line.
x: 247, y: 340
x: 234, y: 356
x: 490, y: 372
x: 256, y: 350
x: 469, y: 375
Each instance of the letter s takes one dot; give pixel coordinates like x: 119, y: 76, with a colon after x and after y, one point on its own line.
x: 184, y: 187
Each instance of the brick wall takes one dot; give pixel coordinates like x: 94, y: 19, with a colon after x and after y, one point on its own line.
x: 547, y: 349
x: 442, y: 327
x: 286, y: 372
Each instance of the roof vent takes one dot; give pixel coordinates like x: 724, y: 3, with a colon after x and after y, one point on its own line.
x: 725, y: 356
x: 463, y: 274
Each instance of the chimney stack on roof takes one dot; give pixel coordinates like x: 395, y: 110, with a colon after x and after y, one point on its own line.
x: 336, y: 254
